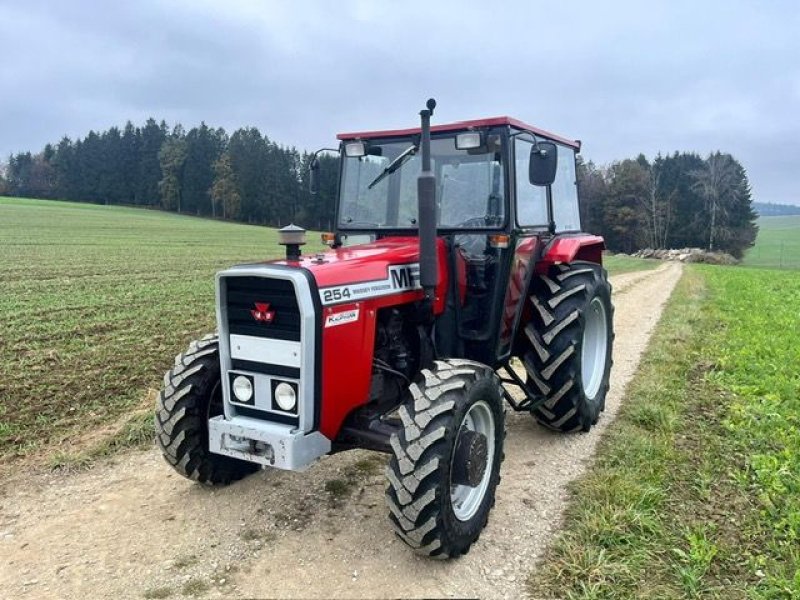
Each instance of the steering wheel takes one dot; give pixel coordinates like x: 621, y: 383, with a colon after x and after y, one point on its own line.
x: 472, y: 222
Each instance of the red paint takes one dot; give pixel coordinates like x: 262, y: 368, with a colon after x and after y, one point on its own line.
x: 347, y: 349
x: 463, y: 125
x: 517, y: 287
x: 371, y: 262
x: 346, y: 365
x: 262, y: 313
x: 570, y: 248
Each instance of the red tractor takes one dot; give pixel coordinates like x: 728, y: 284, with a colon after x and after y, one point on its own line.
x: 457, y: 249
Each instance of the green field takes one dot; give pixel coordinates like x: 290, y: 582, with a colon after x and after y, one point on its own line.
x: 95, y: 303
x: 695, y: 491
x: 777, y: 245
x: 619, y: 263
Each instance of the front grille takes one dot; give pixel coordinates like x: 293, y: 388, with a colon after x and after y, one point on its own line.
x: 243, y: 293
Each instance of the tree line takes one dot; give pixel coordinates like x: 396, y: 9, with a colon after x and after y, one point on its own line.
x: 675, y: 201
x: 244, y: 176
x: 770, y: 209
x: 671, y: 201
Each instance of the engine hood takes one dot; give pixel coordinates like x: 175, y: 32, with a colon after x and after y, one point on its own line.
x: 365, y: 262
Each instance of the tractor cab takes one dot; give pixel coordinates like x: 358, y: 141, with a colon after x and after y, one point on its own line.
x: 502, y: 189
x: 492, y: 175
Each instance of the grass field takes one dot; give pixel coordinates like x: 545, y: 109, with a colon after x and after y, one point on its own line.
x: 777, y: 245
x: 696, y: 488
x: 95, y: 302
x: 619, y: 263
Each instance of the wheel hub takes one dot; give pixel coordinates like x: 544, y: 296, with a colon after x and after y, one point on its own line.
x: 470, y: 459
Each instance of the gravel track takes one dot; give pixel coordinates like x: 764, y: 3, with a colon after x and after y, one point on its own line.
x: 130, y: 526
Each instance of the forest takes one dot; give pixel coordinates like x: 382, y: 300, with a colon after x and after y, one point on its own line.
x: 671, y: 201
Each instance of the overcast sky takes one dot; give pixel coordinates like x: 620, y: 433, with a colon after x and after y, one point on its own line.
x: 624, y: 77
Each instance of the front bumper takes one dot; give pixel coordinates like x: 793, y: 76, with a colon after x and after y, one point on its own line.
x: 270, y: 444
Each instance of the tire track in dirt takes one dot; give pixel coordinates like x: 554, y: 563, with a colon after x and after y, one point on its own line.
x: 130, y: 525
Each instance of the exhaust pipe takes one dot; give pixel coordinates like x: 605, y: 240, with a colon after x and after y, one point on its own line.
x: 426, y: 209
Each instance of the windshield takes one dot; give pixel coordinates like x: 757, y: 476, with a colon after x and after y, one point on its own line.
x: 379, y: 190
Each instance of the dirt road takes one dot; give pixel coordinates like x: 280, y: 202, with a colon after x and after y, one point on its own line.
x: 131, y: 528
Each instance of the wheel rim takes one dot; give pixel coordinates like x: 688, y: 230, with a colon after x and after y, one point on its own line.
x: 465, y: 499
x: 595, y: 342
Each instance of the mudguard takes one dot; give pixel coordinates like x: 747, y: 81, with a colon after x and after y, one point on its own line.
x: 567, y: 249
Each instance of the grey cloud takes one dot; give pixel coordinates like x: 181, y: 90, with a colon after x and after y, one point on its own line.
x: 624, y: 78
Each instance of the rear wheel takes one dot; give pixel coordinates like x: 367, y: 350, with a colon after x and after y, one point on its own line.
x: 568, y: 343
x: 192, y: 394
x: 446, y: 459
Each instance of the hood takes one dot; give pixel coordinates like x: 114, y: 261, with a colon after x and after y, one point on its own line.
x: 365, y: 262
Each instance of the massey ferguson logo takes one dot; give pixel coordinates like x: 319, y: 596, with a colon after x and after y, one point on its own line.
x: 262, y: 313
x: 400, y: 278
x: 404, y: 277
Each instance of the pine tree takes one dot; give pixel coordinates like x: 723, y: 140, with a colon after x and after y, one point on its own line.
x: 152, y: 136
x: 129, y: 163
x: 248, y: 152
x: 688, y: 217
x: 172, y: 158
x: 204, y: 147
x: 225, y: 189
x: 623, y: 219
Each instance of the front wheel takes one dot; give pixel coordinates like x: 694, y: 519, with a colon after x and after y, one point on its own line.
x: 192, y: 394
x: 568, y: 343
x: 446, y: 459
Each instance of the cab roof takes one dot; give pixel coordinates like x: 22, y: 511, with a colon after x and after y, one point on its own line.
x: 463, y: 125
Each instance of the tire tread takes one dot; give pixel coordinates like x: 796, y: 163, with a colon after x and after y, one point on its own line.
x: 415, y: 472
x: 181, y: 417
x: 551, y: 344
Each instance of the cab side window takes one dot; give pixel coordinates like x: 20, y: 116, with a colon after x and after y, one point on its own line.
x: 531, y: 199
x: 565, y: 192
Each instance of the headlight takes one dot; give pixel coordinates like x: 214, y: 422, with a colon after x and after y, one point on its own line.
x: 285, y: 397
x: 243, y: 388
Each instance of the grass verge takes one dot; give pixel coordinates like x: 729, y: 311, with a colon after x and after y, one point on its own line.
x: 616, y: 264
x: 696, y: 488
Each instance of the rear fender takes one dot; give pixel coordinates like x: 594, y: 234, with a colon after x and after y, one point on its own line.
x: 584, y: 247
x: 588, y: 248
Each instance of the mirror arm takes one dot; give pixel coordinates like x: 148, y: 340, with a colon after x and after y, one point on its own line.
x: 313, y: 165
x: 315, y: 154
x: 535, y: 139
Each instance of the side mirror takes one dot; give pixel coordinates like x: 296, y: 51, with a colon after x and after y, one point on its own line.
x: 543, y: 163
x: 313, y: 176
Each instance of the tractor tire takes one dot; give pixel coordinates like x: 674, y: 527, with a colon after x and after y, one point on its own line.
x: 192, y: 394
x: 567, y: 345
x: 445, y: 462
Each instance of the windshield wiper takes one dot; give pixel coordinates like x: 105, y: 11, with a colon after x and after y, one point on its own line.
x: 394, y: 165
x: 354, y: 223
